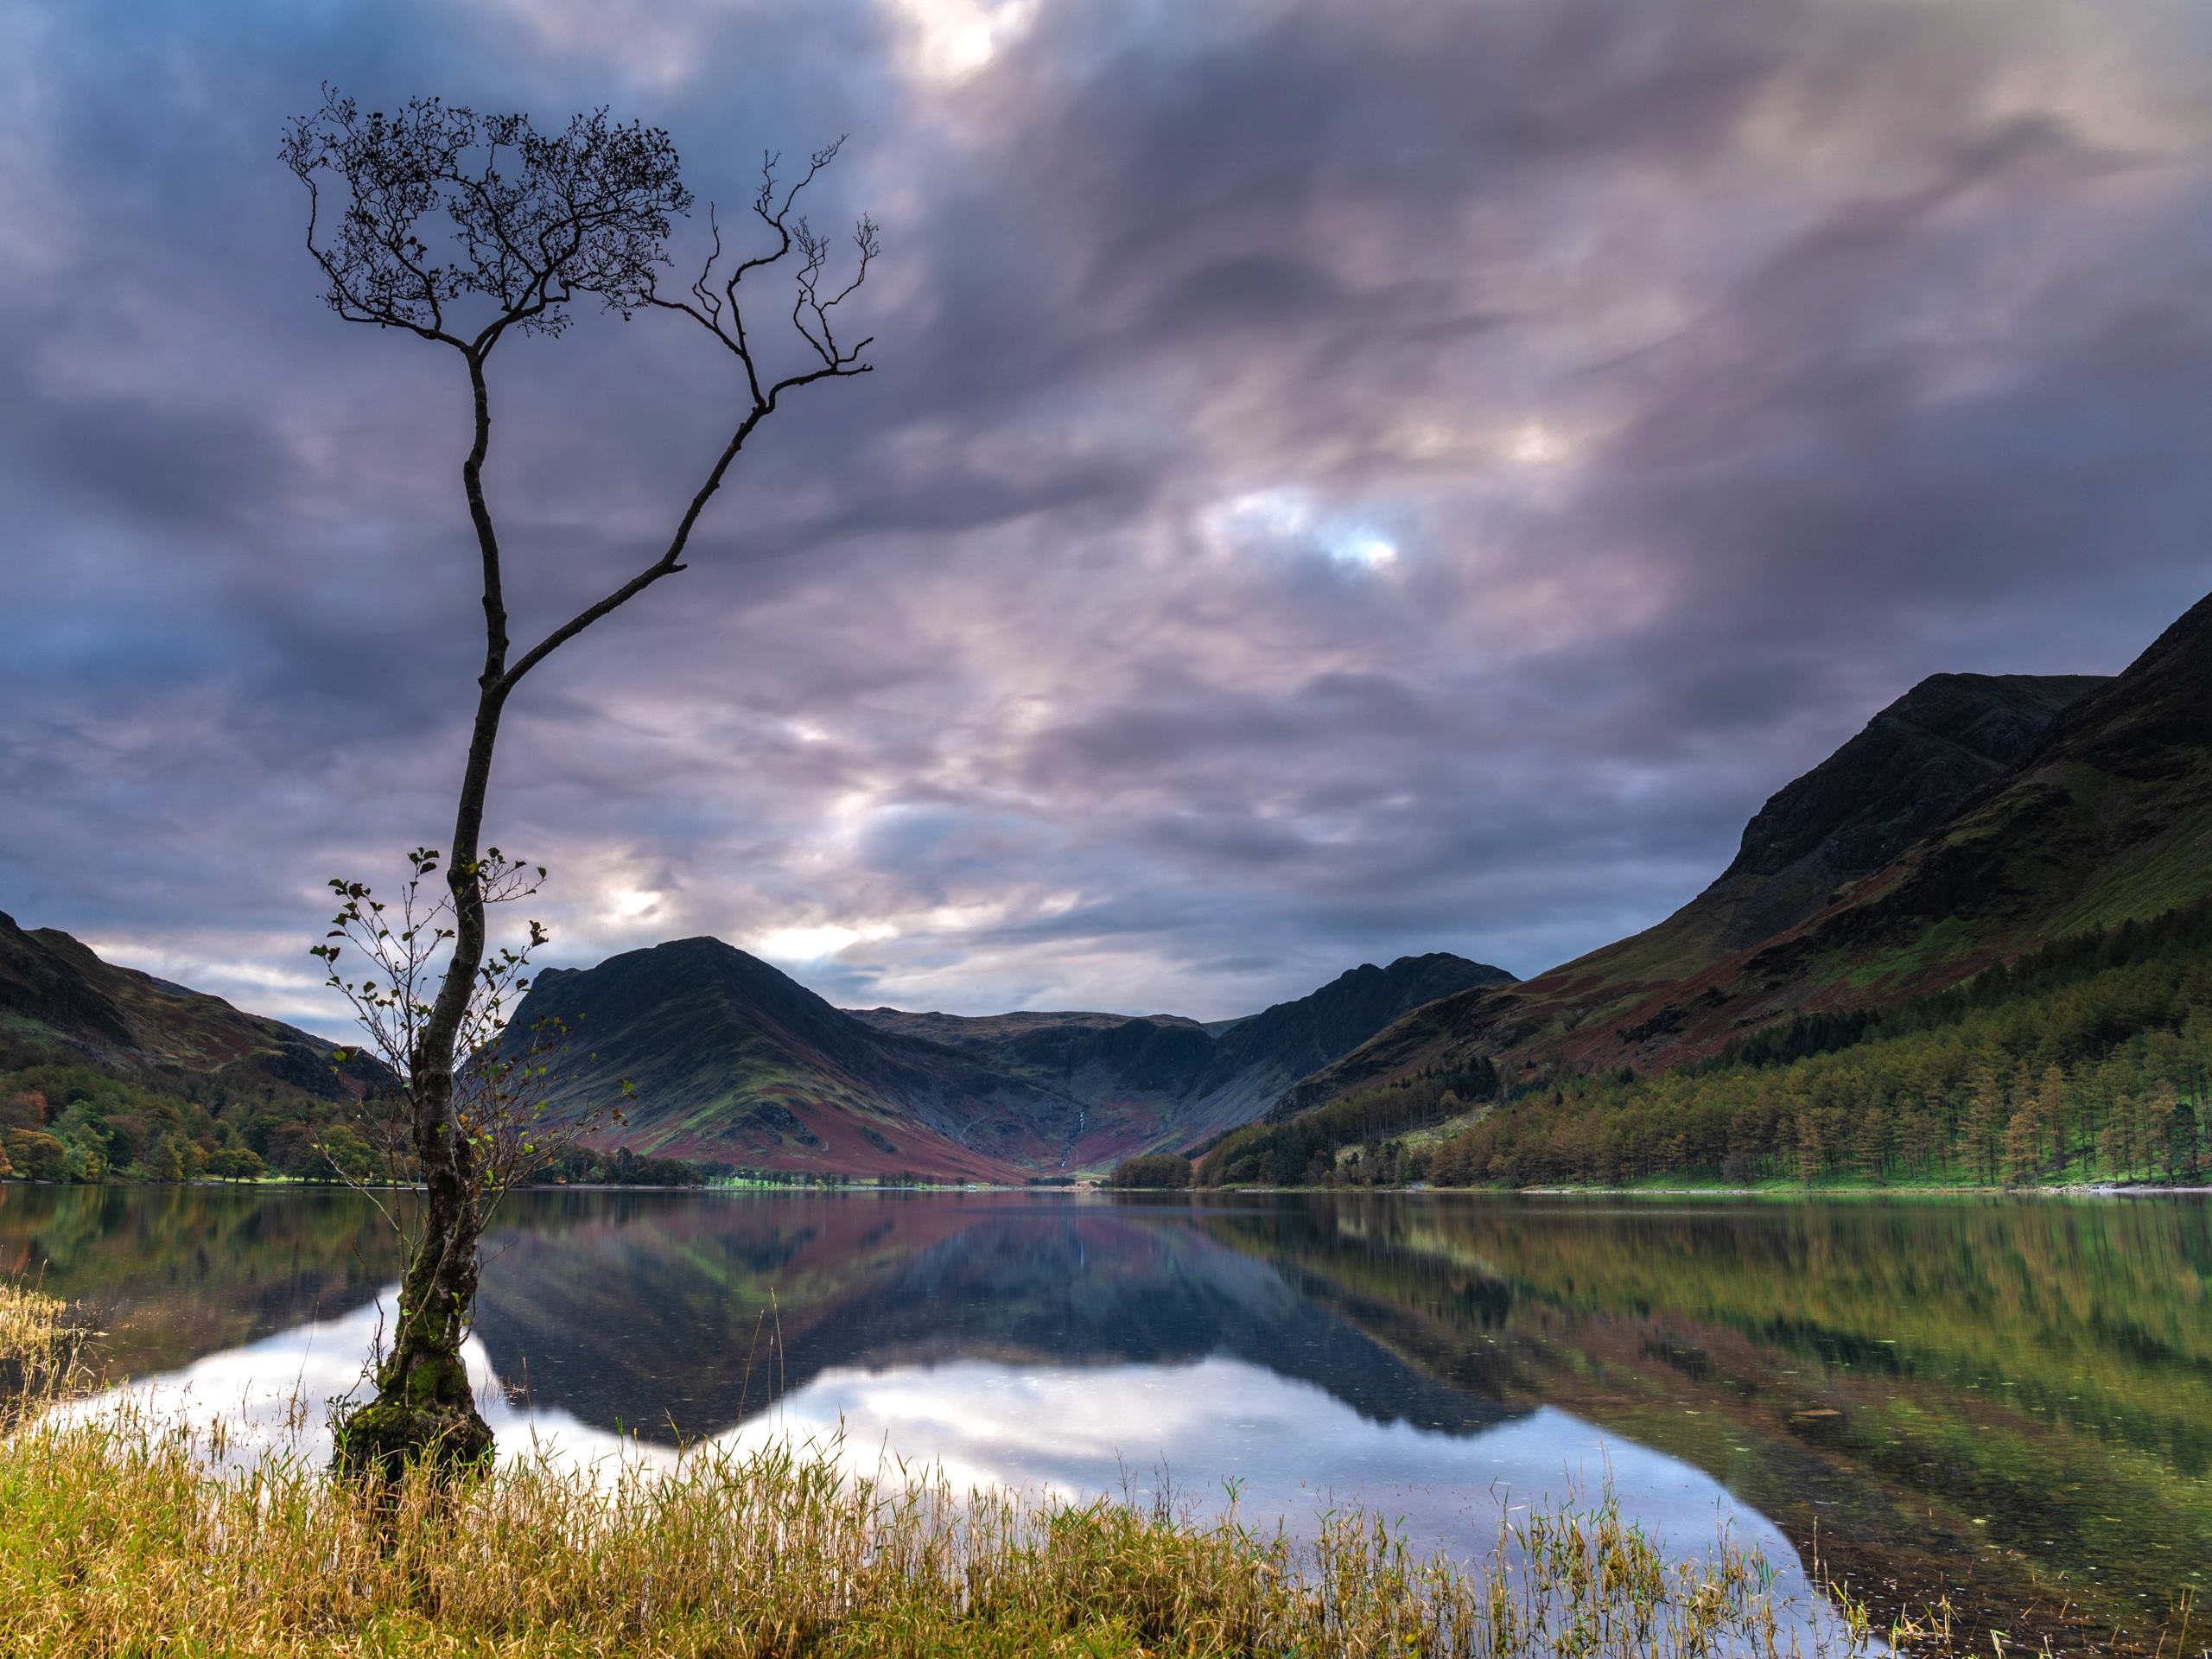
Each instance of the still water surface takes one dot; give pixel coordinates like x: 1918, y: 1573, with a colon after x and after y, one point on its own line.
x: 2007, y: 1400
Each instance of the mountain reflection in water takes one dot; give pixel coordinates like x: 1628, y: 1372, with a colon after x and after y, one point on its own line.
x: 1293, y: 1451
x: 2010, y: 1402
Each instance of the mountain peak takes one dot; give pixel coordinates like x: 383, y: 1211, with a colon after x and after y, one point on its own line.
x: 1977, y: 817
x: 1905, y: 772
x: 732, y: 1059
x: 2156, y: 719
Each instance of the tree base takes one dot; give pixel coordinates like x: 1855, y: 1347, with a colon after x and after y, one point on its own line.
x: 386, y: 1436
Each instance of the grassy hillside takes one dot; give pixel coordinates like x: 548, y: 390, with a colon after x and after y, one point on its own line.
x: 734, y: 1060
x: 60, y: 1004
x: 2106, y: 819
x: 2088, y: 1060
x: 109, y: 1073
x: 2103, y: 819
x: 1911, y: 768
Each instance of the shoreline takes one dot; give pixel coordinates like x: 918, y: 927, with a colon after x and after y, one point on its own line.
x: 2072, y: 1190
x: 2077, y: 1190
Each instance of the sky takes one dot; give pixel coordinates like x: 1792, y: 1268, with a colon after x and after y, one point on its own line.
x: 1340, y: 480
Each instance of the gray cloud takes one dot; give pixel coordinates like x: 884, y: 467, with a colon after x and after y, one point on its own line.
x: 1341, y: 481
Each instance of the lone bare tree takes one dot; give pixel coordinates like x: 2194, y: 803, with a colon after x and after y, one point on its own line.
x: 464, y: 230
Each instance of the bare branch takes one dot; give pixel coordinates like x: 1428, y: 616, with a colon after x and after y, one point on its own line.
x: 443, y: 206
x: 722, y: 315
x: 464, y: 229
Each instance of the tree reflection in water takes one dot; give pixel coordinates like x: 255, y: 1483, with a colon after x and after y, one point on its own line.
x: 1990, y: 1396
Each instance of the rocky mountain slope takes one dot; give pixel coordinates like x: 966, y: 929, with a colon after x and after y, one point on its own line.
x: 1974, y: 819
x: 731, y: 1059
x: 1172, y: 1081
x: 1912, y: 766
x: 59, y: 1002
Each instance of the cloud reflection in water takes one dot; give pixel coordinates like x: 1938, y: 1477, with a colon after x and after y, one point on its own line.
x: 1292, y: 1450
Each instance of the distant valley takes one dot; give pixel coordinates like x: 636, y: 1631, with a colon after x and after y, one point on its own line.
x: 735, y: 1061
x: 1979, y: 820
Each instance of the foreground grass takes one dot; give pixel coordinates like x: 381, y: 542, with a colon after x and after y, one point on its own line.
x: 40, y: 1345
x: 118, y: 1538
x: 31, y: 1324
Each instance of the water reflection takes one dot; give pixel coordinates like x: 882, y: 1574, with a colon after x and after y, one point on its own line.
x: 1188, y: 1431
x: 2010, y: 1401
x: 672, y: 1317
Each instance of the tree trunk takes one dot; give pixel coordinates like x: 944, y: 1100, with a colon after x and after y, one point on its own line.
x: 424, y: 1407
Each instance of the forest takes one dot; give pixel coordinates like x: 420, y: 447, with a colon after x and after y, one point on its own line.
x: 62, y: 1122
x: 1160, y: 1171
x: 2087, y: 1060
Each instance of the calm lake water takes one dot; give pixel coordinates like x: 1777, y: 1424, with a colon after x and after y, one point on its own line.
x: 2010, y: 1401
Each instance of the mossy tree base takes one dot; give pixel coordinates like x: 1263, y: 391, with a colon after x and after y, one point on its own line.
x: 424, y: 1411
x: 386, y: 1436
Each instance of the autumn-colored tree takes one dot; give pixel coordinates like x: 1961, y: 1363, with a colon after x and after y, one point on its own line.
x: 2022, y: 1155
x: 1986, y: 1116
x: 36, y: 1155
x: 2172, y: 1130
x: 26, y: 1109
x: 1870, y: 1146
x: 2054, y: 1107
x: 1812, y: 1146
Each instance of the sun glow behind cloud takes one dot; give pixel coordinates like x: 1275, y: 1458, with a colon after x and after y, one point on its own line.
x: 1290, y: 521
x: 817, y: 943
x: 953, y: 38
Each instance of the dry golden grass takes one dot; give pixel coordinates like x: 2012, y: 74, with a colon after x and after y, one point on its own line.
x: 118, y: 1537
x: 30, y: 1322
x: 40, y: 1345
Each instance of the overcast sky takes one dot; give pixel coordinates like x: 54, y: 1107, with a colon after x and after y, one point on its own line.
x: 1342, y: 480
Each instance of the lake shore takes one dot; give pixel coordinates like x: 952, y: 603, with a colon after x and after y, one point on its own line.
x: 119, y: 1535
x: 2079, y: 1190
x: 1853, y: 1381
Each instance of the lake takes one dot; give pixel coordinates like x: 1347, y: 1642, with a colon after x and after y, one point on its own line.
x: 2009, y: 1402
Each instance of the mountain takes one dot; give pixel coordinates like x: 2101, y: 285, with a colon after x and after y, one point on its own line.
x: 732, y: 1060
x: 2106, y: 818
x: 1975, y: 819
x: 59, y: 1002
x: 1190, y: 1082
x: 1292, y: 1038
x: 1913, y: 765
x: 1907, y: 771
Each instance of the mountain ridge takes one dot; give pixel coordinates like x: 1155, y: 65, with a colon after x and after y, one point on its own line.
x: 60, y: 1002
x: 1975, y: 819
x: 732, y: 1059
x: 2104, y: 816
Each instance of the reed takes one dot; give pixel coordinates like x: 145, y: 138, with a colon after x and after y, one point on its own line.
x: 42, y: 1346
x: 122, y: 1535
